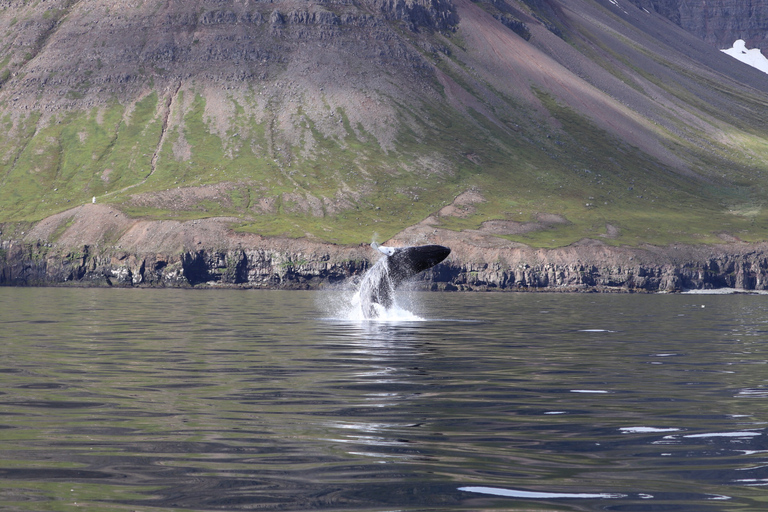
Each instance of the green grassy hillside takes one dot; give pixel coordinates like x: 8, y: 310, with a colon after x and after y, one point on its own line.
x: 677, y: 155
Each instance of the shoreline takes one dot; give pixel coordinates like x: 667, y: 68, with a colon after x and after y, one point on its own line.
x: 283, y: 264
x: 97, y: 245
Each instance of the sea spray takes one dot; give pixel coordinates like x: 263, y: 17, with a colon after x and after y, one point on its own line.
x: 377, y: 293
x: 376, y: 289
x: 364, y: 302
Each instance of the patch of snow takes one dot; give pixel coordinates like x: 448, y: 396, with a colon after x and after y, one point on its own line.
x: 753, y: 57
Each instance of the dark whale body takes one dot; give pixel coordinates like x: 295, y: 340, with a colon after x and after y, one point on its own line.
x: 398, y: 265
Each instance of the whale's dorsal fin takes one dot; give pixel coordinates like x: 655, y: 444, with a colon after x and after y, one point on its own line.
x: 389, y: 251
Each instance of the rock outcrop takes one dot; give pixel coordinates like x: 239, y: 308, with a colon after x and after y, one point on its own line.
x: 719, y: 23
x: 74, y: 249
x: 597, y: 267
x: 268, y: 267
x: 429, y: 14
x: 124, y: 51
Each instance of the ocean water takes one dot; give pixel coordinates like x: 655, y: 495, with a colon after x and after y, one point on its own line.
x: 122, y: 399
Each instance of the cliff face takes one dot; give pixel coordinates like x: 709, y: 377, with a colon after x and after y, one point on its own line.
x: 63, y: 54
x: 602, y: 268
x: 80, y: 248
x: 270, y: 268
x: 719, y: 23
x: 595, y: 268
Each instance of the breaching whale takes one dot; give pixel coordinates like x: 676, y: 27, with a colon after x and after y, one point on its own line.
x: 397, y: 266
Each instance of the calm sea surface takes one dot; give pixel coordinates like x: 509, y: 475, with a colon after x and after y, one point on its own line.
x: 251, y: 400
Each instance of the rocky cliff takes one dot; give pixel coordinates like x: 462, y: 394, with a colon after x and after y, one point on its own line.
x: 207, y: 253
x: 719, y: 23
x: 267, y: 267
x: 595, y: 267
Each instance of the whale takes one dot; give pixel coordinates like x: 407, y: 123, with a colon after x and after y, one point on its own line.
x: 398, y: 265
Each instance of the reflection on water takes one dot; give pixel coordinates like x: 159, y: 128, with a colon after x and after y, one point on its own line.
x: 539, y: 495
x: 241, y: 400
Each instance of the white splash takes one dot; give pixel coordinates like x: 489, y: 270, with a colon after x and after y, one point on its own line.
x: 359, y: 305
x: 374, y: 288
x: 389, y: 251
x: 393, y: 314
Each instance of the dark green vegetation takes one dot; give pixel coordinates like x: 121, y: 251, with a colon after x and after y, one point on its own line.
x: 693, y: 170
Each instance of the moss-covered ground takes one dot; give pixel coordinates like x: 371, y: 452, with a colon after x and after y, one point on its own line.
x: 347, y: 190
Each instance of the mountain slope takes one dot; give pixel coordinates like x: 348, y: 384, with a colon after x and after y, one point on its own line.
x: 534, y: 121
x: 718, y: 23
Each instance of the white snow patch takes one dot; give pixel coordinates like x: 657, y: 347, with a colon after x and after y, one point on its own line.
x: 753, y: 57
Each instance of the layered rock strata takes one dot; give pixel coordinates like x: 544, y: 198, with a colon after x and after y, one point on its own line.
x: 281, y: 264
x: 719, y: 23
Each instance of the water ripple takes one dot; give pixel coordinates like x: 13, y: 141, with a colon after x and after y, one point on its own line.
x: 230, y: 400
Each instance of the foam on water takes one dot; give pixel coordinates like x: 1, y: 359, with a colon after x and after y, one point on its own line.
x: 393, y: 314
x: 646, y: 430
x: 357, y: 305
x: 347, y: 307
x: 515, y: 493
x: 725, y: 291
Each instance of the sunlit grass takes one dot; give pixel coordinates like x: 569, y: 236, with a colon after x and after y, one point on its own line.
x: 346, y: 189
